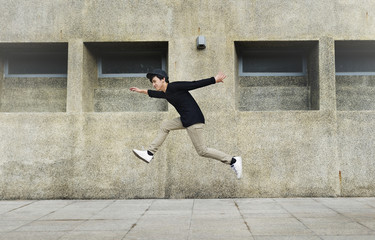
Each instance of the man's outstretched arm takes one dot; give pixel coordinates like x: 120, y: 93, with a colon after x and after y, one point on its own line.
x: 191, y: 85
x: 134, y: 89
x: 150, y: 93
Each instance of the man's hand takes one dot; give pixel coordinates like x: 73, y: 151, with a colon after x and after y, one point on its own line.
x: 220, y: 77
x: 134, y: 89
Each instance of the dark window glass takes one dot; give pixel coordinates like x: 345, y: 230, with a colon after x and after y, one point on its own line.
x: 272, y: 62
x: 38, y: 63
x: 130, y: 63
x: 352, y: 61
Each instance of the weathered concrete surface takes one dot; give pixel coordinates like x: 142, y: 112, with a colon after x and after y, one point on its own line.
x: 34, y: 95
x: 89, y: 155
x: 83, y: 149
x: 355, y: 93
x: 356, y: 152
x: 291, y: 163
x: 74, y: 156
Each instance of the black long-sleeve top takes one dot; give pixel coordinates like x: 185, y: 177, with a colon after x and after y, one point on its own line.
x: 178, y: 95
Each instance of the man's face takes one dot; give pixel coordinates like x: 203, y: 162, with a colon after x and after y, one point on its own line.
x: 157, y: 83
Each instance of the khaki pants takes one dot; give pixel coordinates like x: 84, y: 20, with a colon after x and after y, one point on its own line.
x: 196, y: 135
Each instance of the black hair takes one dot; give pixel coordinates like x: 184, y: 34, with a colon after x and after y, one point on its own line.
x: 160, y: 77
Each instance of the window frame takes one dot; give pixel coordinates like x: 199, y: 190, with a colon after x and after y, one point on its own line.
x: 272, y: 74
x: 31, y: 75
x: 109, y: 75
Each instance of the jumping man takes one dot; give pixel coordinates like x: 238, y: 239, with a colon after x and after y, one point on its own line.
x: 191, y: 117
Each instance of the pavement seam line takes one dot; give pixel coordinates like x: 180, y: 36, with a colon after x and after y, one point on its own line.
x: 135, y: 224
x: 14, y: 209
x: 243, y: 218
x: 85, y: 220
x: 14, y: 230
x: 339, y: 213
x: 191, y: 220
x: 299, y: 220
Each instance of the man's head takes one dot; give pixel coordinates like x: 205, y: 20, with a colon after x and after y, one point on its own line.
x: 159, y: 79
x: 159, y: 73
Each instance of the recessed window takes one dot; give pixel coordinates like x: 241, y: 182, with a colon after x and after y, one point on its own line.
x: 129, y: 64
x: 33, y: 77
x: 114, y: 67
x: 277, y: 76
x: 355, y: 62
x: 272, y: 63
x: 36, y: 64
x: 355, y: 75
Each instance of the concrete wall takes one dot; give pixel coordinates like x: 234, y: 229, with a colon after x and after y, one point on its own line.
x: 319, y: 145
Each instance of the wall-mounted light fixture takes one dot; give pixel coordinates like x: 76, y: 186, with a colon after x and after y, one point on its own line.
x: 201, y: 42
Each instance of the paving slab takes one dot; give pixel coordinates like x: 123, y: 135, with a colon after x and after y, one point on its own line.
x: 190, y: 219
x: 287, y: 237
x: 32, y: 235
x: 93, y: 235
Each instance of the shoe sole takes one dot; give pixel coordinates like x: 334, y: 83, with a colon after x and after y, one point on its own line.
x: 241, y: 169
x: 140, y: 157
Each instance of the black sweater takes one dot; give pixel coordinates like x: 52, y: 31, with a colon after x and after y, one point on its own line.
x: 178, y: 95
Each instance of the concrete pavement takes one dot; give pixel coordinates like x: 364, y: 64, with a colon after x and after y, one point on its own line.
x: 230, y: 219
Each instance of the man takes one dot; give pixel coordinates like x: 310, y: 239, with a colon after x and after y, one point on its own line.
x: 191, y: 117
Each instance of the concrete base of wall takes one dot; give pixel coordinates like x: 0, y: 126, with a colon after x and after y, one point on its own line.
x: 286, y: 154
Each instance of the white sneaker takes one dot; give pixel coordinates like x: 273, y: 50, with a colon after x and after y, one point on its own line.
x: 237, y: 167
x: 143, y: 155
